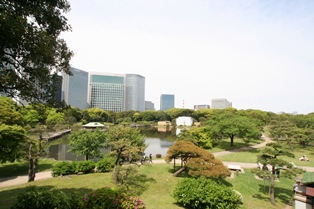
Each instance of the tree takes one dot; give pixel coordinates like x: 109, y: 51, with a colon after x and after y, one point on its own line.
x: 199, y: 136
x: 270, y: 156
x: 87, y: 142
x: 32, y: 54
x: 196, y: 160
x: 125, y: 141
x: 9, y: 114
x: 11, y: 138
x: 231, y: 125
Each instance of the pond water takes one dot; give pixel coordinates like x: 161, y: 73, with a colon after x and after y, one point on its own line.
x: 158, y: 143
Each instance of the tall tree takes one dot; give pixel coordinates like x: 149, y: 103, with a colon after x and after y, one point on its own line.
x: 125, y: 140
x: 31, y: 52
x: 271, y: 156
x: 87, y: 142
x: 231, y: 125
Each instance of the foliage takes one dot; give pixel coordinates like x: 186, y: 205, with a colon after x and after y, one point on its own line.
x: 95, y: 115
x: 54, y: 117
x: 279, y: 167
x: 229, y: 124
x: 9, y: 114
x: 125, y: 141
x: 105, y: 165
x: 204, y: 193
x: 87, y: 166
x: 129, y: 178
x: 158, y: 155
x: 11, y: 138
x: 31, y: 53
x: 112, y: 198
x: 64, y: 168
x: 198, y: 161
x: 199, y: 136
x: 87, y: 142
x: 38, y: 198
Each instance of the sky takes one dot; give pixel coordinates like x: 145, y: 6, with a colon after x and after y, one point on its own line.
x: 258, y: 54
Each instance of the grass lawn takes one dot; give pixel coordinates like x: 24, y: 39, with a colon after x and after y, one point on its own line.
x: 158, y: 193
x: 238, y: 143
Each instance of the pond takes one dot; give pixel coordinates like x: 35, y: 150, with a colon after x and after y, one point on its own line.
x: 158, y: 142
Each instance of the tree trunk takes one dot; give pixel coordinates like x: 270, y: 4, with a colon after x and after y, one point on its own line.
x: 231, y: 140
x: 31, y: 165
x: 86, y: 157
x: 290, y: 145
x: 272, y: 190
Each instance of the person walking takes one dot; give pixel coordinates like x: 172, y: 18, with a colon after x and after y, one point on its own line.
x: 150, y: 158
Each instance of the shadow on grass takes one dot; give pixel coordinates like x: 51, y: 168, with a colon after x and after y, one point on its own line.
x: 281, y: 194
x: 8, y: 197
x: 19, y: 169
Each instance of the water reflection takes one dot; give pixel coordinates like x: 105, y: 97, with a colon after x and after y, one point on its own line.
x: 158, y: 143
x: 157, y: 146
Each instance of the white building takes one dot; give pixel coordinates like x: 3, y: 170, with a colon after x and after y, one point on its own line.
x: 220, y: 103
x: 184, y: 121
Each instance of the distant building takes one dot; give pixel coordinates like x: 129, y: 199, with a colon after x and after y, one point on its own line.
x: 166, y: 101
x: 184, y: 121
x: 220, y: 104
x: 149, y: 105
x: 200, y: 107
x: 134, y: 92
x: 106, y: 91
x: 75, y: 88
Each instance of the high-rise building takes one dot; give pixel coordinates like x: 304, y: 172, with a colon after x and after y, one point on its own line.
x: 149, y: 105
x: 220, y: 103
x: 134, y: 92
x: 200, y: 107
x: 75, y: 88
x: 106, y: 91
x: 166, y: 101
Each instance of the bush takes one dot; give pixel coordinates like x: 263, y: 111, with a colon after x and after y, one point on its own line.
x: 85, y: 166
x: 105, y: 165
x: 158, y: 155
x: 38, y: 198
x: 64, y: 168
x: 112, y: 198
x: 204, y: 193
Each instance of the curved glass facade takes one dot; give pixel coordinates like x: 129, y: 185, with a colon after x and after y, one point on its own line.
x: 134, y: 92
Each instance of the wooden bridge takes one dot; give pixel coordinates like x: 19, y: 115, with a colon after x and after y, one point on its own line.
x: 56, y: 135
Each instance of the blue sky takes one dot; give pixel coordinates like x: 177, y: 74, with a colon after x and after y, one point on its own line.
x: 257, y: 54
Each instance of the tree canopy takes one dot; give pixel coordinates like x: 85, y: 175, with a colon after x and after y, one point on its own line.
x: 198, y: 161
x: 31, y: 52
x: 87, y: 142
x: 229, y: 124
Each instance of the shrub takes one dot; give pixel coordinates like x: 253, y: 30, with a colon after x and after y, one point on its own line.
x: 85, y: 166
x: 158, y: 155
x: 205, y: 193
x: 64, y: 168
x: 112, y: 198
x: 105, y: 165
x: 38, y: 198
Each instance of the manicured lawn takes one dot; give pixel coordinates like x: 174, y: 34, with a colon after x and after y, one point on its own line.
x: 158, y: 193
x: 21, y: 168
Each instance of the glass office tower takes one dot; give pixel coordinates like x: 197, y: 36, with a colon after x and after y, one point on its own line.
x: 166, y: 101
x: 75, y: 88
x: 134, y: 92
x: 107, y: 91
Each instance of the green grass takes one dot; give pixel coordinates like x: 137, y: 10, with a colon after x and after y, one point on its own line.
x: 158, y: 193
x: 21, y: 168
x: 238, y: 143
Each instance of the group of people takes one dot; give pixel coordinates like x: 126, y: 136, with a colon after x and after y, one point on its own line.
x: 304, y: 158
x: 144, y: 159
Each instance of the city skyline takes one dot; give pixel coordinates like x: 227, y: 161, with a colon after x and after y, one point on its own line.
x: 257, y: 54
